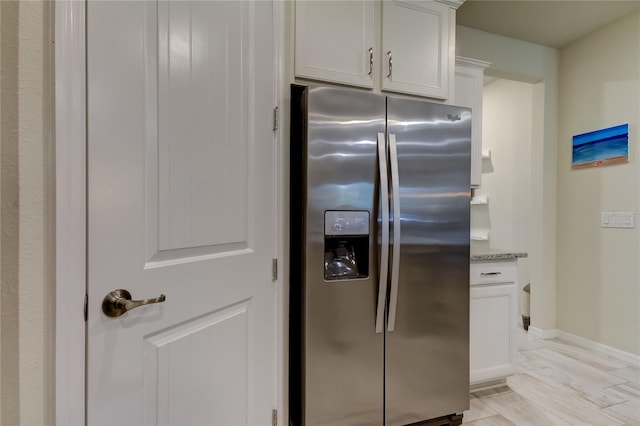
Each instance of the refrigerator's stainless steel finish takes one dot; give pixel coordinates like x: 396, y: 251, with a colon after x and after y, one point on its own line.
x: 395, y: 259
x: 344, y: 355
x: 427, y: 361
x: 384, y: 343
x: 384, y: 246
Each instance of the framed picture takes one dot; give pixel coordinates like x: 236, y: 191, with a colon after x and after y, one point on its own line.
x: 601, y: 147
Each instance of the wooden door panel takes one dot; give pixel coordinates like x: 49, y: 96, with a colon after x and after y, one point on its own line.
x: 195, y: 373
x: 203, y: 112
x: 199, y: 78
x: 181, y: 202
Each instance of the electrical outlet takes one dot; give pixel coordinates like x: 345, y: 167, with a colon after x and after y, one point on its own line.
x: 613, y: 219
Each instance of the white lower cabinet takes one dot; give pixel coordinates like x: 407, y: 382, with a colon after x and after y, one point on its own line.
x: 493, y: 319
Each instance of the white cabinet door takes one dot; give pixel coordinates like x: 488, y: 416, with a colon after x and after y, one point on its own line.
x: 468, y: 92
x: 181, y: 190
x: 492, y: 332
x: 415, y: 48
x: 335, y: 41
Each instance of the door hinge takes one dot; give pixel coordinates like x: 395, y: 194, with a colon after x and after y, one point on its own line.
x: 274, y: 418
x: 86, y: 307
x: 274, y: 269
x: 276, y: 118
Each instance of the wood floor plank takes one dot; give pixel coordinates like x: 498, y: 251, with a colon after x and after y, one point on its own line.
x: 521, y: 411
x: 567, y: 407
x: 529, y: 358
x: 526, y: 344
x: 490, y: 421
x: 570, y: 367
x: 630, y: 374
x: 599, y: 361
x: 627, y: 412
x: 531, y: 365
x: 577, y: 386
x: 477, y: 410
x: 633, y: 385
x: 625, y: 391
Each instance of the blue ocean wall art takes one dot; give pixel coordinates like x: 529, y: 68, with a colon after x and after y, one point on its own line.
x: 601, y: 147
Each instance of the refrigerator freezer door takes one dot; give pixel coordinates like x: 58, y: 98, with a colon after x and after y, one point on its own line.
x: 343, y: 355
x: 427, y: 353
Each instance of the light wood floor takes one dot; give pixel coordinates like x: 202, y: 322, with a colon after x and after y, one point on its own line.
x: 560, y: 384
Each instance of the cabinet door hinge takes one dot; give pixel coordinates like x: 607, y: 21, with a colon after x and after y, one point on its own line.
x: 276, y: 118
x: 86, y: 307
x: 274, y: 269
x: 274, y: 418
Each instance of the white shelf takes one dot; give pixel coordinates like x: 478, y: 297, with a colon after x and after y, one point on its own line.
x: 479, y: 235
x: 480, y: 200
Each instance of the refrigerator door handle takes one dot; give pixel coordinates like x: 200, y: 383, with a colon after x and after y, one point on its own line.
x: 384, y: 248
x: 395, y: 260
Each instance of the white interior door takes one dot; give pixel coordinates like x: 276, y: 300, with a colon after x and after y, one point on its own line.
x: 181, y: 203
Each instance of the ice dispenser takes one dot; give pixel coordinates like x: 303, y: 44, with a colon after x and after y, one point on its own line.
x: 346, y: 245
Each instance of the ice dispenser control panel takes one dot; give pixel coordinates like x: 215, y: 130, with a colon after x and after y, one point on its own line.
x: 346, y: 245
x: 346, y: 223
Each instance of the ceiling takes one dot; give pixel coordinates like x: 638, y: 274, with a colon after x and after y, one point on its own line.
x: 552, y: 23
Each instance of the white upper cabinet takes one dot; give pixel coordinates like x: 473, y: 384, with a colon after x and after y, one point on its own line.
x: 335, y: 41
x: 468, y: 93
x: 415, y: 47
x: 395, y: 46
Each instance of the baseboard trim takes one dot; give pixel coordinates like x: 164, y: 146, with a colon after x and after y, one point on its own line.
x: 617, y: 354
x: 620, y: 355
x: 539, y: 333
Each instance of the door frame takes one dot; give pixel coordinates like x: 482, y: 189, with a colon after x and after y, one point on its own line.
x: 71, y: 209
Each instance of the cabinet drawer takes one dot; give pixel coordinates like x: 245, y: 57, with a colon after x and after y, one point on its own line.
x: 492, y: 272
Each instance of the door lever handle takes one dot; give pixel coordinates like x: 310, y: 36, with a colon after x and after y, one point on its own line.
x: 117, y: 302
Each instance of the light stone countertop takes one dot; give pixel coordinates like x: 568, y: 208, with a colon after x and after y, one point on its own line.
x: 486, y: 255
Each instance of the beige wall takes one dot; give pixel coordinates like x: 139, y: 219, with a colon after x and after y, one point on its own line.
x: 532, y: 63
x: 26, y: 189
x: 598, y: 275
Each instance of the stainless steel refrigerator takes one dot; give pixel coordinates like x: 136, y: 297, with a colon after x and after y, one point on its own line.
x: 379, y: 252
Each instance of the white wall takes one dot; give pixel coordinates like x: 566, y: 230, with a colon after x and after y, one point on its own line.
x: 26, y: 271
x: 598, y: 275
x: 527, y: 62
x: 507, y: 131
